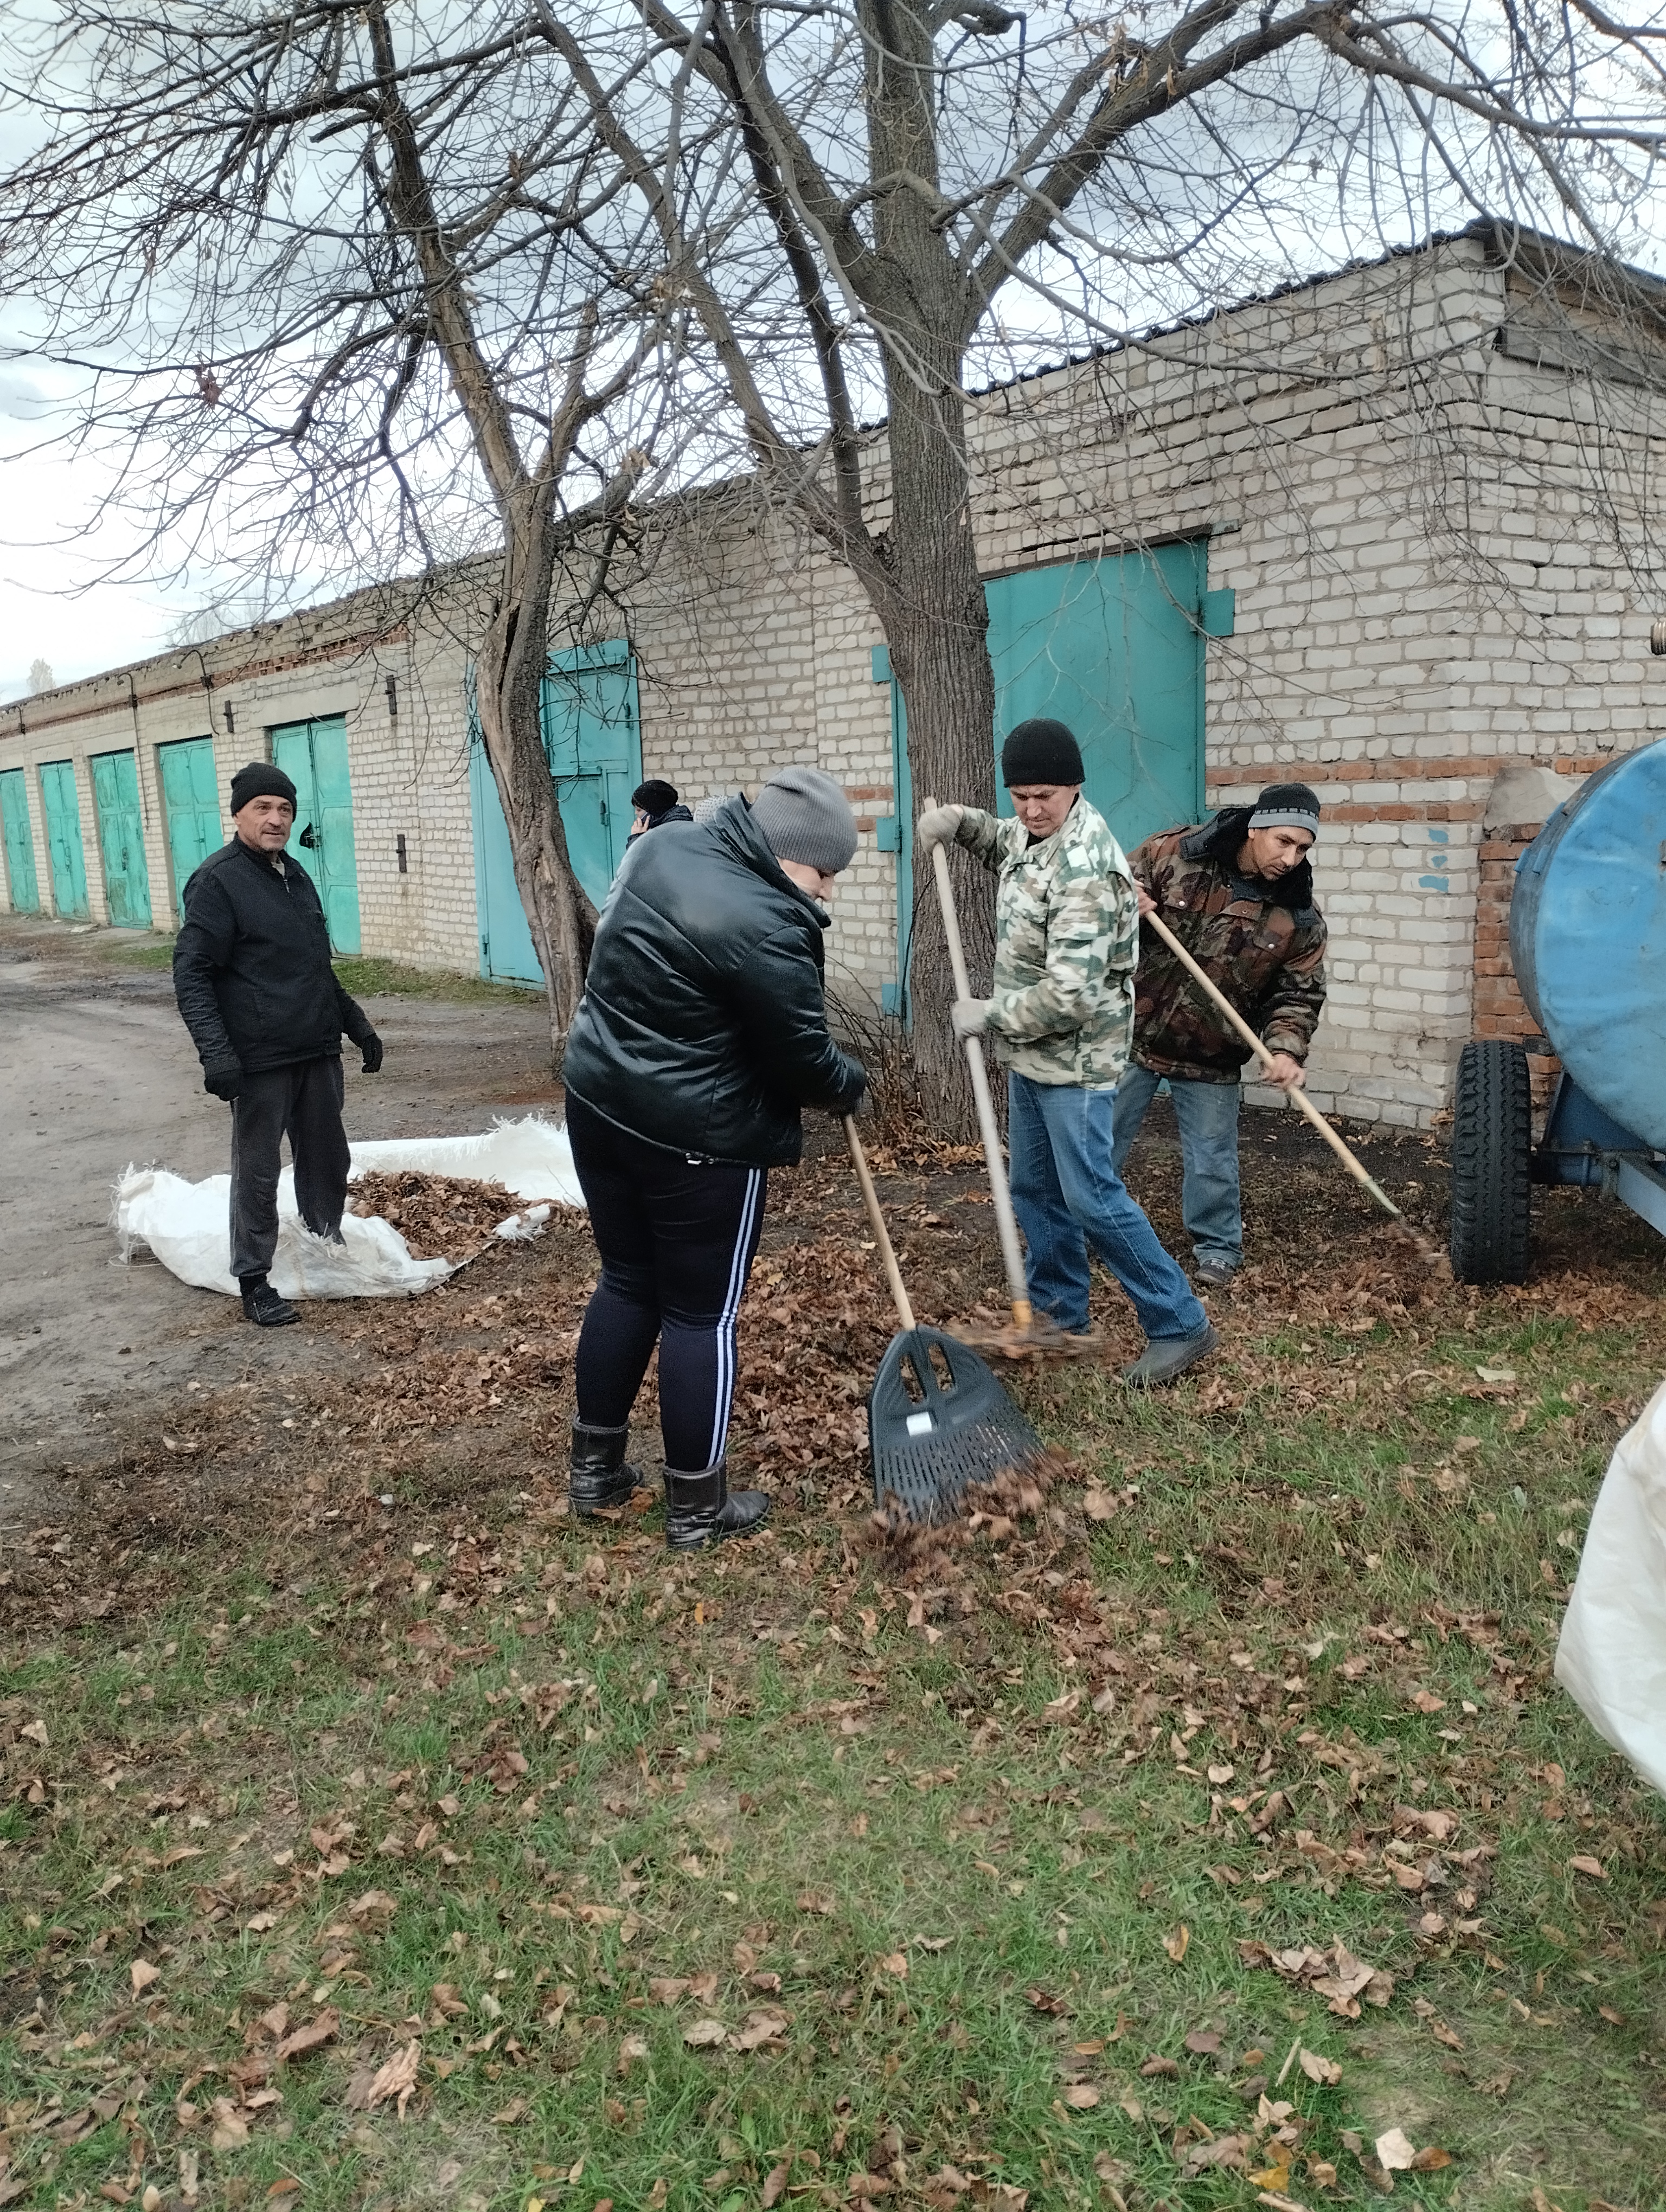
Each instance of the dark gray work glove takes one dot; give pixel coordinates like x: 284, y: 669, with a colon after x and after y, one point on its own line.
x: 371, y: 1047
x: 223, y: 1079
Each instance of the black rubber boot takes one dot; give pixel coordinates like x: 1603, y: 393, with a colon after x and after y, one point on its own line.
x: 263, y: 1305
x: 700, y: 1510
x: 601, y: 1474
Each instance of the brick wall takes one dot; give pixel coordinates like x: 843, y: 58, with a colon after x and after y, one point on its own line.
x: 1500, y: 1011
x: 1439, y: 551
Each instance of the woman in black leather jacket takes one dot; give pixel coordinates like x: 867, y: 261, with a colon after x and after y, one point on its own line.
x: 702, y: 1035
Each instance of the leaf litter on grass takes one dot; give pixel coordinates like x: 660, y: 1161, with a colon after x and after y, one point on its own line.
x: 1288, y: 1780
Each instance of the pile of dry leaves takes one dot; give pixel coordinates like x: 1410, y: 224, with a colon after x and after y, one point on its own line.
x: 440, y: 1216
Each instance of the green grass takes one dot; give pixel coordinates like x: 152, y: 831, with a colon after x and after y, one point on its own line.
x: 967, y: 1847
x: 374, y: 978
x: 367, y: 978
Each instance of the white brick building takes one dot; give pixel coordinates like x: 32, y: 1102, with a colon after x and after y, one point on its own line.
x: 1427, y: 485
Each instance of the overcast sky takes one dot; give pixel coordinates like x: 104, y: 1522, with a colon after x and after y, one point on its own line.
x: 54, y: 604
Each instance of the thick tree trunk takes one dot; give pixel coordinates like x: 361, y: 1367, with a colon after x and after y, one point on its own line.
x: 509, y: 686
x: 937, y: 626
x: 931, y: 602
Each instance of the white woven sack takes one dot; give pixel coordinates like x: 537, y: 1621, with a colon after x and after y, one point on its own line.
x: 187, y: 1225
x: 1612, y: 1656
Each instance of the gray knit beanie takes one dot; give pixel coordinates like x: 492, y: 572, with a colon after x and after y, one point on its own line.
x: 1286, y: 806
x: 802, y: 815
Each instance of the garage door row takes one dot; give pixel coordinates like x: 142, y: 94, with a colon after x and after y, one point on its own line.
x: 313, y: 754
x: 1114, y: 647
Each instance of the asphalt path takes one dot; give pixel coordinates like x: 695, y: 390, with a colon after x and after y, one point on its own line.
x: 97, y: 1073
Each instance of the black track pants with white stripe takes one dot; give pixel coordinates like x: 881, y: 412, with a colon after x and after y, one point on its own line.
x: 677, y: 1238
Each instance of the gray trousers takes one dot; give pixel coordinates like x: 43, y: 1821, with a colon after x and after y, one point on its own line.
x: 302, y: 1103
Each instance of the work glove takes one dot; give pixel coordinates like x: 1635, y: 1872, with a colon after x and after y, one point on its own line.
x: 223, y: 1079
x: 971, y: 1017
x: 371, y: 1047
x: 938, y: 826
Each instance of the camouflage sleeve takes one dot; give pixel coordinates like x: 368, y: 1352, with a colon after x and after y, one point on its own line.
x: 1139, y: 864
x: 1289, y: 1012
x: 1093, y: 930
x: 981, y: 835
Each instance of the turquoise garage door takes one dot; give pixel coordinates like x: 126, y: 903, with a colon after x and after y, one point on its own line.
x: 1113, y: 647
x: 595, y: 750
x: 313, y: 756
x: 121, y: 840
x: 21, y: 887
x: 62, y: 809
x: 190, y: 803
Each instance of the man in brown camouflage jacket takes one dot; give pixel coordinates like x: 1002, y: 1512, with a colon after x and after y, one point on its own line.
x: 1238, y: 894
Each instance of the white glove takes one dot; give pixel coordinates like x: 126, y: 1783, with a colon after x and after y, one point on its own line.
x: 970, y: 1016
x: 938, y: 826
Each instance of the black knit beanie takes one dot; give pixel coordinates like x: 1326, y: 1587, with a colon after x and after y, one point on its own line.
x: 1286, y: 806
x: 654, y: 796
x: 1041, y: 750
x: 260, y: 780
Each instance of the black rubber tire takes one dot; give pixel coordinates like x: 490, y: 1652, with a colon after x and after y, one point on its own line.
x: 1491, y: 1155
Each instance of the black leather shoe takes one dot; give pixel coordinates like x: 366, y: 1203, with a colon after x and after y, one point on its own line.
x: 700, y: 1510
x: 600, y: 1473
x: 266, y: 1308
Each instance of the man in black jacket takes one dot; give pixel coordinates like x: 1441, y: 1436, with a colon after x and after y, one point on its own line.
x: 702, y: 1035
x: 253, y: 976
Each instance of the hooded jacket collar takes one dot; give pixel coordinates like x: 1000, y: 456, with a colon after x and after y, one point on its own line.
x: 1220, y: 840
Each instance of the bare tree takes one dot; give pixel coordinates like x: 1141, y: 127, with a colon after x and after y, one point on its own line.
x: 352, y: 295
x: 468, y: 232
x: 41, y: 677
x: 947, y: 189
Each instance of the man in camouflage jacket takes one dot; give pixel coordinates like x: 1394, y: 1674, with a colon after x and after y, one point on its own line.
x: 1238, y: 894
x: 1060, y: 1017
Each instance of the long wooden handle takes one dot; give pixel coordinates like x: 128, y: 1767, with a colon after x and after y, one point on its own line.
x: 1017, y: 1289
x: 876, y: 1222
x: 1297, y: 1098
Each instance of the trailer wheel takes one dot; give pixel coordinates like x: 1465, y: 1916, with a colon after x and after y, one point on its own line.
x: 1491, y: 1142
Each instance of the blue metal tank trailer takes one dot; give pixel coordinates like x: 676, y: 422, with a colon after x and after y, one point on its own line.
x: 1588, y: 941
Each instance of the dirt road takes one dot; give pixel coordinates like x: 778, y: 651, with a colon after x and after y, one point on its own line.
x: 98, y: 1073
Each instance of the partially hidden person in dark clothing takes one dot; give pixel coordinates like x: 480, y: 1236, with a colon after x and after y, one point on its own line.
x: 253, y: 976
x: 1237, y: 891
x: 701, y: 1036
x: 655, y: 803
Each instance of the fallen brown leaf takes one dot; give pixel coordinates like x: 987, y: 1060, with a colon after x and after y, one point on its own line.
x: 395, y: 2078
x: 319, y: 2031
x: 1396, y: 2152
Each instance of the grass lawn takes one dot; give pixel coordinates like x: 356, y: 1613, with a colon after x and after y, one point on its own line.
x: 375, y: 1836
x: 364, y: 978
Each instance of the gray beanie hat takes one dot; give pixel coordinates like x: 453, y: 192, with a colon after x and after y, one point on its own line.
x: 1286, y: 806
x: 802, y: 815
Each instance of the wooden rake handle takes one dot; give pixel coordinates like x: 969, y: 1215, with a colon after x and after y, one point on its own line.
x: 1297, y: 1098
x: 876, y: 1222
x: 1017, y: 1289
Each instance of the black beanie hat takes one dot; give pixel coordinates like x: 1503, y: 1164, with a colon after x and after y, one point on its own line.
x: 260, y: 780
x: 1041, y: 752
x: 1286, y: 806
x: 654, y: 796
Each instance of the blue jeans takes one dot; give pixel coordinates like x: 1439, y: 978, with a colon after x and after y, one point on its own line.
x: 1207, y: 1114
x: 1067, y: 1196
